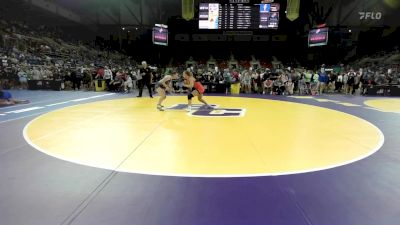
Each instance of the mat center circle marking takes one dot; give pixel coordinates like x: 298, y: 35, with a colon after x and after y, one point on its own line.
x: 268, y: 137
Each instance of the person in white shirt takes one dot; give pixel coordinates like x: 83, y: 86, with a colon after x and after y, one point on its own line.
x: 36, y: 74
x: 339, y: 83
x: 289, y: 86
x: 128, y: 83
x: 23, y: 78
x: 247, y: 82
x: 108, y: 76
x: 134, y: 79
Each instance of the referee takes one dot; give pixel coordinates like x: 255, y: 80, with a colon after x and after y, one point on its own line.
x: 145, y: 72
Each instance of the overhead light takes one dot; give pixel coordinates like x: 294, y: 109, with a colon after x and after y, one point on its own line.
x: 123, y: 28
x: 349, y: 30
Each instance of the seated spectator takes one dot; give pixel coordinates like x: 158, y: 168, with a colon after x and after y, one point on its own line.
x: 350, y: 83
x: 278, y: 87
x: 268, y: 85
x: 289, y: 87
x: 128, y: 84
x: 117, y: 83
x: 302, y: 85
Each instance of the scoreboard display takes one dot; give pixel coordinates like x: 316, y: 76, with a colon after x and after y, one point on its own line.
x: 318, y: 37
x: 238, y: 15
x: 160, y: 34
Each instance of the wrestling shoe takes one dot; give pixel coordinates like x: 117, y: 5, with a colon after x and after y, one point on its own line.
x: 160, y: 107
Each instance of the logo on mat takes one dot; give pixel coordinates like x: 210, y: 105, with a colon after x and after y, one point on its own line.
x: 203, y: 111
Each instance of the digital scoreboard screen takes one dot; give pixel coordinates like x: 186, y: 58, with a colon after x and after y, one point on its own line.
x: 238, y: 15
x: 318, y: 37
x: 160, y: 34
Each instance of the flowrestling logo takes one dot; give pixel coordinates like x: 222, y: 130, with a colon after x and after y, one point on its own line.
x: 370, y: 15
x: 202, y: 111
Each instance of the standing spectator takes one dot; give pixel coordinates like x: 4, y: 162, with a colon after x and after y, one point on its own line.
x: 100, y: 73
x: 87, y: 79
x: 339, y: 83
x: 331, y: 82
x: 314, y: 83
x: 108, y: 76
x: 357, y: 80
x: 322, y: 80
x: 247, y: 82
x: 235, y: 76
x: 74, y: 79
x: 350, y: 83
x: 345, y: 80
x: 228, y: 81
x: 258, y: 88
x: 79, y: 77
x: 134, y: 74
x: 295, y: 79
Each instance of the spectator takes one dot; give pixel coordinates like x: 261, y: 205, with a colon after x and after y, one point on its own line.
x: 228, y: 81
x: 289, y: 87
x: 23, y: 78
x: 357, y: 80
x: 339, y: 83
x: 258, y: 86
x: 350, y: 83
x: 128, y: 84
x: 268, y: 86
x: 108, y: 77
x: 75, y: 80
x: 246, y: 81
x: 322, y: 81
x: 345, y: 82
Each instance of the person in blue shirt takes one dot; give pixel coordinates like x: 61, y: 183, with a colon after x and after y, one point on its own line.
x: 322, y: 81
x: 7, y: 99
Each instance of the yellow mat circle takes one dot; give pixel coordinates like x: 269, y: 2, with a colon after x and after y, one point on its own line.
x: 385, y: 105
x: 268, y: 138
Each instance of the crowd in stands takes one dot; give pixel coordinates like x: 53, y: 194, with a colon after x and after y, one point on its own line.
x: 288, y: 81
x: 41, y: 54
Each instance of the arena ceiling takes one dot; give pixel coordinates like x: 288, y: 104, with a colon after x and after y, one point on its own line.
x: 125, y: 12
x: 147, y: 12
